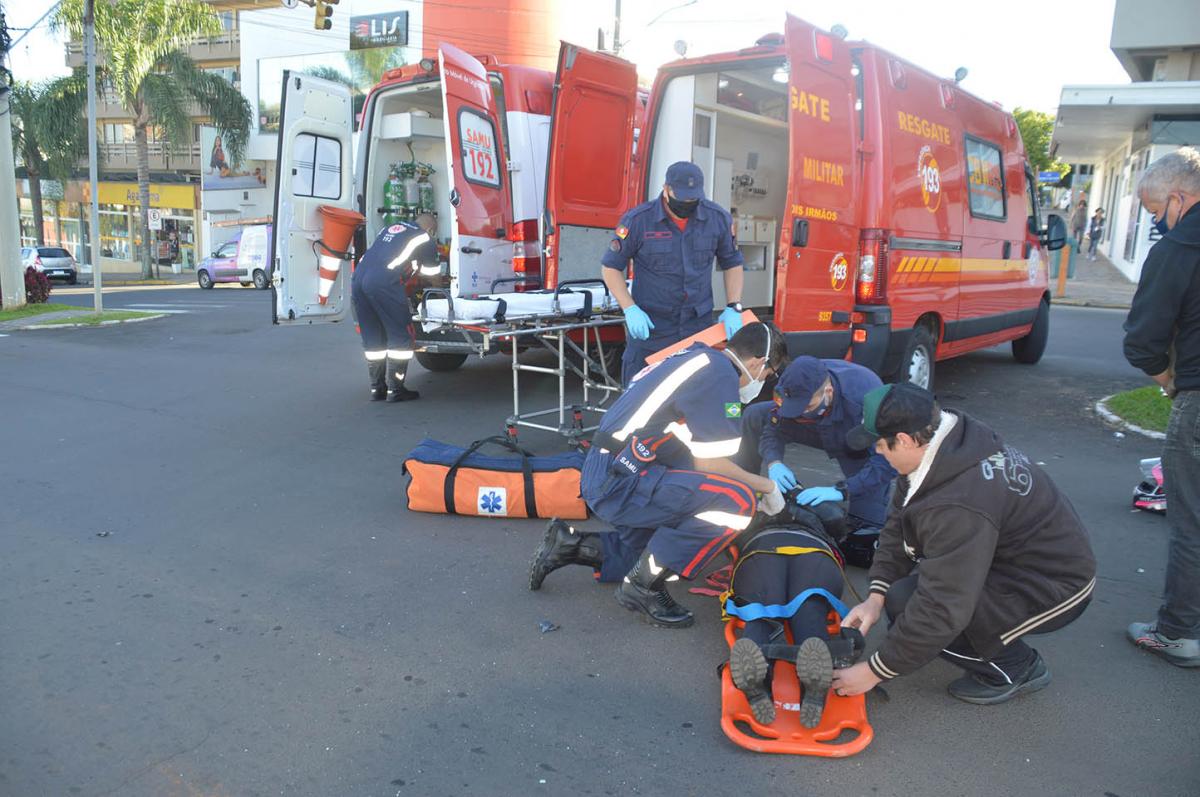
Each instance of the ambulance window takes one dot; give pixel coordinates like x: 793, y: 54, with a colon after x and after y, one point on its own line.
x: 1031, y: 208
x: 985, y: 180
x: 501, y: 108
x: 317, y: 167
x: 478, y: 136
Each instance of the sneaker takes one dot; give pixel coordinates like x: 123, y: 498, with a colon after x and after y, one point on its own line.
x: 1181, y: 652
x: 748, y: 669
x: 973, y: 688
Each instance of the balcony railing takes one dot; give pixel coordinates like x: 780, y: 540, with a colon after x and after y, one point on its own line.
x: 122, y: 156
x: 224, y: 45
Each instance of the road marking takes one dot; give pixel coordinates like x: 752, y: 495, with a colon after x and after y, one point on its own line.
x: 159, y: 310
x: 178, y: 304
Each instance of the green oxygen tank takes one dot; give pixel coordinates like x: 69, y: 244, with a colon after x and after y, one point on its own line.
x: 427, y: 200
x: 393, y: 196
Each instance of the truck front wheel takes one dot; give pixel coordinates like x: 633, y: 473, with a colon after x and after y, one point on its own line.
x: 1029, y: 349
x: 917, y: 364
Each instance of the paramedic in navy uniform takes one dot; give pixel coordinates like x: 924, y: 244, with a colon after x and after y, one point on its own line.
x: 381, y: 305
x: 661, y: 471
x: 672, y: 240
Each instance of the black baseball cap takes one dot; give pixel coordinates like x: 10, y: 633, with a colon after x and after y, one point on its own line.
x: 889, y: 410
x: 686, y: 181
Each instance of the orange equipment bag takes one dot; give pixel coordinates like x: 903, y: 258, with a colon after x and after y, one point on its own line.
x: 786, y: 734
x: 461, y: 481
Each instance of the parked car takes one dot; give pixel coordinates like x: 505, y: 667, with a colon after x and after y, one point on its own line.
x: 53, y: 261
x: 241, y: 260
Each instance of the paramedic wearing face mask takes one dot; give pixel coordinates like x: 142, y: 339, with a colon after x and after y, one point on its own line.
x: 660, y: 470
x: 816, y: 403
x: 672, y: 240
x: 381, y: 305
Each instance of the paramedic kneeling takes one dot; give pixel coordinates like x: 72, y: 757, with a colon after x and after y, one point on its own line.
x: 672, y: 240
x: 980, y: 548
x: 816, y: 403
x: 381, y: 305
x: 660, y: 471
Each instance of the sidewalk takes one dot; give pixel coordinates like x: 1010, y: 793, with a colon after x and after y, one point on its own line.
x: 119, y: 278
x: 1097, y: 283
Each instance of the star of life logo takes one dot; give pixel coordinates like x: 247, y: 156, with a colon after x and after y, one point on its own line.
x: 493, y: 501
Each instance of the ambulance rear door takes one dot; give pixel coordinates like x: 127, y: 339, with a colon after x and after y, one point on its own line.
x: 480, y: 206
x: 818, y: 252
x: 588, y: 174
x: 314, y: 168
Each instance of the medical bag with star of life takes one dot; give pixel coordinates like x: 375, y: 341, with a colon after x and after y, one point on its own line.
x: 449, y: 479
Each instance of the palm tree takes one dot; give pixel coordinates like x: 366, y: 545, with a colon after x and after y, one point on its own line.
x: 49, y: 133
x: 143, y: 44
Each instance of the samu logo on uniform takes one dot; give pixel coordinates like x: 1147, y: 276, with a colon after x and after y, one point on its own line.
x: 493, y: 501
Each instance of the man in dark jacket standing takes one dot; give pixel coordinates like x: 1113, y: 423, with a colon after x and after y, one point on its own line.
x: 1164, y: 322
x: 980, y: 548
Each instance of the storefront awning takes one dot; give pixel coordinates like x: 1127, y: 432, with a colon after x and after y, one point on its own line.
x: 1094, y: 120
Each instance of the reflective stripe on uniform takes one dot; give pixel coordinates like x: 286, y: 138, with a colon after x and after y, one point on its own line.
x: 409, y: 247
x: 661, y: 395
x: 375, y: 356
x: 727, y: 520
x: 712, y: 450
x: 399, y: 354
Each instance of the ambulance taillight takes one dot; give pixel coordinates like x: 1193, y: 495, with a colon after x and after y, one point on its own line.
x: 527, y: 254
x: 871, y: 282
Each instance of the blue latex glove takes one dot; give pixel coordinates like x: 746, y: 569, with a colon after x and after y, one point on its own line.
x: 732, y: 320
x: 638, y: 322
x: 818, y: 495
x: 782, y: 476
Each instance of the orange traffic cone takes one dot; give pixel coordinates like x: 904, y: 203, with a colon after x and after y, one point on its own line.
x: 337, y: 231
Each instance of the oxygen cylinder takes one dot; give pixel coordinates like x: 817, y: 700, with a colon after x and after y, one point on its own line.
x: 426, y: 198
x: 393, y: 193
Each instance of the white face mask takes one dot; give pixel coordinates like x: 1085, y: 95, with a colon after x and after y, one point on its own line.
x: 750, y: 390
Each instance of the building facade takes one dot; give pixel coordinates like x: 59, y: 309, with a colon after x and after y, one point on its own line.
x: 1110, y: 133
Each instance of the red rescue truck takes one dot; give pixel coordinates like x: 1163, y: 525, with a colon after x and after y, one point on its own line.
x: 885, y: 215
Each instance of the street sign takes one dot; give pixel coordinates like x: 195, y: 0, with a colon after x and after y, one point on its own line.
x: 1049, y: 177
x: 154, y: 217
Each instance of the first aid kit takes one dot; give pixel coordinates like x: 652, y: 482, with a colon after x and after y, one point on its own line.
x: 449, y: 479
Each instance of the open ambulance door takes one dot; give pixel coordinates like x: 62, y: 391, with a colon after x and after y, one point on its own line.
x: 819, y: 243
x: 480, y: 205
x: 314, y: 168
x: 588, y: 170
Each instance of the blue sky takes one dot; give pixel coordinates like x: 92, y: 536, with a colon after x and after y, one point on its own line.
x: 1019, y: 52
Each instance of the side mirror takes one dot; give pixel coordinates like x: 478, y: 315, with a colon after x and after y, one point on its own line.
x: 1055, y: 236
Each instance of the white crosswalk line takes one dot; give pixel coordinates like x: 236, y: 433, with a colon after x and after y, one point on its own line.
x: 176, y: 304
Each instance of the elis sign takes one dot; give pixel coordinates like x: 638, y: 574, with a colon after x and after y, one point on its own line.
x: 379, y: 30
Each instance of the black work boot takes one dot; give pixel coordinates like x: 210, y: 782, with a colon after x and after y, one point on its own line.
x: 644, y: 590
x: 377, y: 371
x: 846, y: 648
x: 396, y: 371
x: 814, y: 668
x: 562, y: 546
x: 748, y: 669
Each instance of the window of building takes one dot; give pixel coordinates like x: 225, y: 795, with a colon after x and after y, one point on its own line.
x: 985, y: 180
x: 114, y: 231
x: 317, y: 167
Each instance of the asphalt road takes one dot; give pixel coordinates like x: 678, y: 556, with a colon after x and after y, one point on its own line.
x: 264, y: 616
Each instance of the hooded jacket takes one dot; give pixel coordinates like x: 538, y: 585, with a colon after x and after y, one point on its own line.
x: 1166, y: 307
x: 1001, y: 550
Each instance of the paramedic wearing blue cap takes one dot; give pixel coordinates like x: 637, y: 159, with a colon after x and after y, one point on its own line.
x: 816, y: 403
x: 672, y: 240
x: 661, y: 471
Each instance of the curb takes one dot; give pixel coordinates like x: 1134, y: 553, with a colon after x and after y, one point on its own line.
x: 1116, y: 420
x: 1066, y: 302
x: 110, y: 323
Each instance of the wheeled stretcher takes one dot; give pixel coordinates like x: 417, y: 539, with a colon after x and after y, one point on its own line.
x: 567, y: 321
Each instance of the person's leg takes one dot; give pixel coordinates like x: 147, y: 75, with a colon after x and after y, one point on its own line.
x: 1176, y: 634
x: 811, y: 571
x: 390, y: 302
x: 374, y: 341
x: 760, y: 578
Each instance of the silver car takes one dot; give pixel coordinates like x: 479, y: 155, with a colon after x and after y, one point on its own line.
x: 53, y: 261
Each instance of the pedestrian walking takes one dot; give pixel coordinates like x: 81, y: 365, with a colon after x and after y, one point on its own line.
x: 1095, y: 232
x: 1162, y: 338
x: 1079, y: 223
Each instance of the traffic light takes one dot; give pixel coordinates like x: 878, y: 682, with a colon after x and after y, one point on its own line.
x: 323, y: 11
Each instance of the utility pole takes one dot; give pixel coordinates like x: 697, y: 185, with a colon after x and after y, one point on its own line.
x: 617, y: 30
x: 89, y: 49
x: 12, y: 275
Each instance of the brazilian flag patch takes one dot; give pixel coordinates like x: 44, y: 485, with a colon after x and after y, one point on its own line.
x: 733, y: 409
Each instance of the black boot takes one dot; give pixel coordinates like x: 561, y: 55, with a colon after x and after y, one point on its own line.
x: 377, y: 371
x: 644, y: 590
x: 814, y: 668
x: 748, y: 669
x: 396, y: 371
x: 846, y: 647
x: 562, y: 546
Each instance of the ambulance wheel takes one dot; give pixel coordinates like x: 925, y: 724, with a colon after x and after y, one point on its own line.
x: 204, y: 279
x: 260, y: 280
x: 245, y: 284
x: 917, y: 364
x: 1029, y: 349
x: 440, y: 362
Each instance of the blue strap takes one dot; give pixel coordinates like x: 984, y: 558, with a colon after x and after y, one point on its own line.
x: 756, y: 611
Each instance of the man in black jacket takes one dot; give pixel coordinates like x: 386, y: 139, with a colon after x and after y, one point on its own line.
x: 979, y: 549
x: 1162, y: 337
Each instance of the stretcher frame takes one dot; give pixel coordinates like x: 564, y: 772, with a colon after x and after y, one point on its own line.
x: 550, y: 331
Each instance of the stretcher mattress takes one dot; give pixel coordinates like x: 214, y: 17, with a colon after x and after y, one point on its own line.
x: 515, y: 306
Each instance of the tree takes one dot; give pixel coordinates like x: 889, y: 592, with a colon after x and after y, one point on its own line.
x: 143, y: 44
x: 49, y: 133
x: 1037, y: 129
